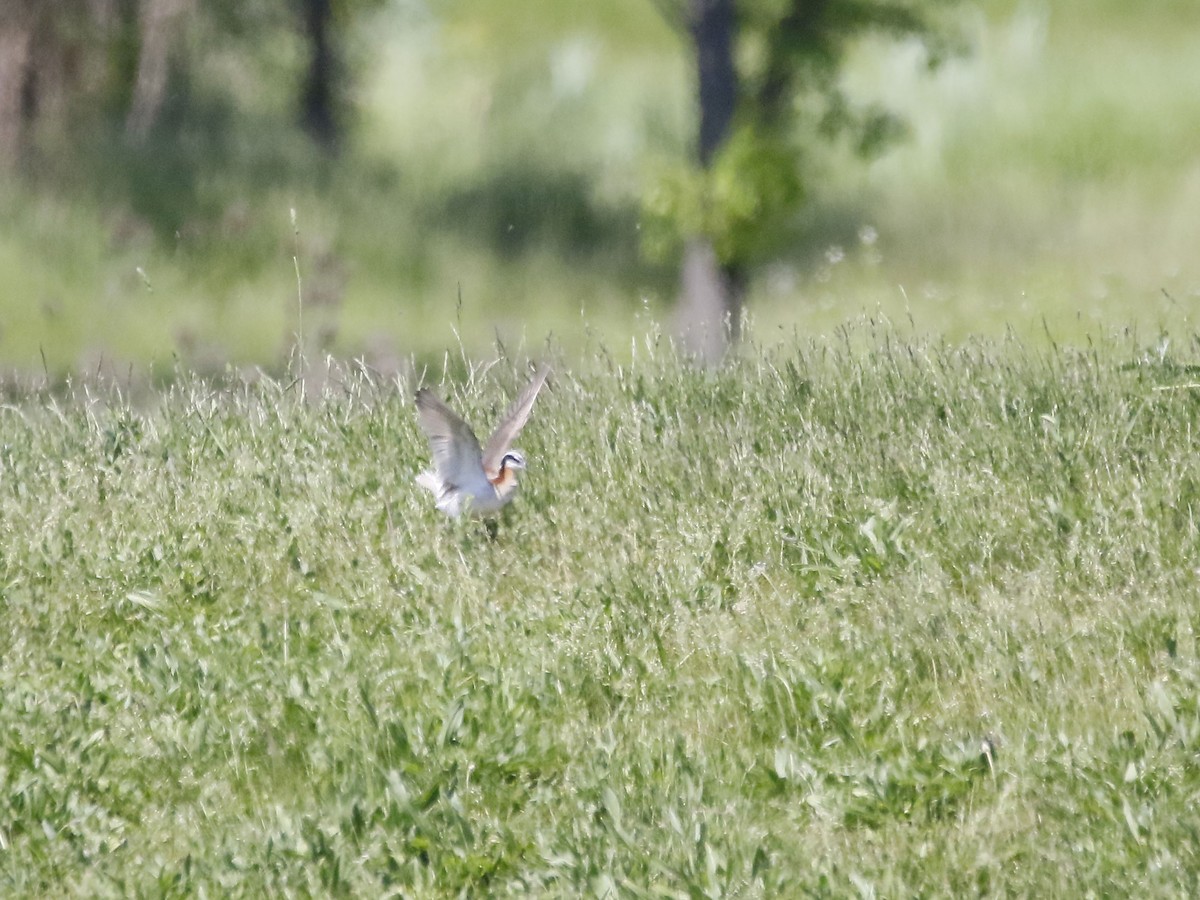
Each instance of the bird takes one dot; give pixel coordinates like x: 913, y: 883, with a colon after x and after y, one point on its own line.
x: 465, y: 477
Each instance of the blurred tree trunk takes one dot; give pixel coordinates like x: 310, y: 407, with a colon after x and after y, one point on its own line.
x: 711, y: 293
x: 318, y: 112
x: 158, y: 23
x: 16, y: 36
x: 43, y: 62
x: 710, y: 302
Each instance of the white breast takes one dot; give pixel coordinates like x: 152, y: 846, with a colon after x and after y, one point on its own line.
x: 476, y: 494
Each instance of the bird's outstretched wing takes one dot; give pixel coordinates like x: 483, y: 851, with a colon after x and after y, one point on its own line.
x: 514, y: 420
x: 456, y: 453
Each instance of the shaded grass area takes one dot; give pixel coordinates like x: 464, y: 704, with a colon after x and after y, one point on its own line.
x: 493, y: 177
x: 862, y: 614
x: 204, y: 244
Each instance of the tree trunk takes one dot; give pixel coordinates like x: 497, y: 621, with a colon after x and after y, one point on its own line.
x: 157, y: 23
x: 15, y: 38
x: 712, y: 24
x: 710, y: 302
x: 709, y: 307
x: 318, y: 105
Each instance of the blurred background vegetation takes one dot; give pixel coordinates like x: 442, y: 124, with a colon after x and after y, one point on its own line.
x: 202, y: 181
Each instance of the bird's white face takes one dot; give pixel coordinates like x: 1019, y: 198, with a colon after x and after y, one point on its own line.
x: 513, y: 459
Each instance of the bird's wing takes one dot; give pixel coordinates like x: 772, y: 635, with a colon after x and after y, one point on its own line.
x: 456, y: 453
x: 512, y: 423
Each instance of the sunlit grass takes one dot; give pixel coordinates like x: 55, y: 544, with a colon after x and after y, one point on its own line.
x: 1048, y: 176
x: 869, y: 614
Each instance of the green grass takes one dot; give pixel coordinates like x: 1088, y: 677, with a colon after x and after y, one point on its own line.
x: 1046, y: 177
x: 859, y: 616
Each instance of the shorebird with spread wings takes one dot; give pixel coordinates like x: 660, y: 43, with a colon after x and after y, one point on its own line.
x: 465, y: 476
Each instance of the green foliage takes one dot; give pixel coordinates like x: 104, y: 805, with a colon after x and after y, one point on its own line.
x: 788, y: 57
x: 742, y: 201
x: 870, y: 615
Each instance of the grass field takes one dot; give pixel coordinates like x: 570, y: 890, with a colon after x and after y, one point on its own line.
x: 862, y: 616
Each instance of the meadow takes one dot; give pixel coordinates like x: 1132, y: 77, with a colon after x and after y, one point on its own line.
x: 900, y: 600
x: 866, y: 615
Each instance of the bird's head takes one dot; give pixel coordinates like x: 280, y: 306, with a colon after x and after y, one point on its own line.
x: 505, y: 481
x: 513, y: 459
